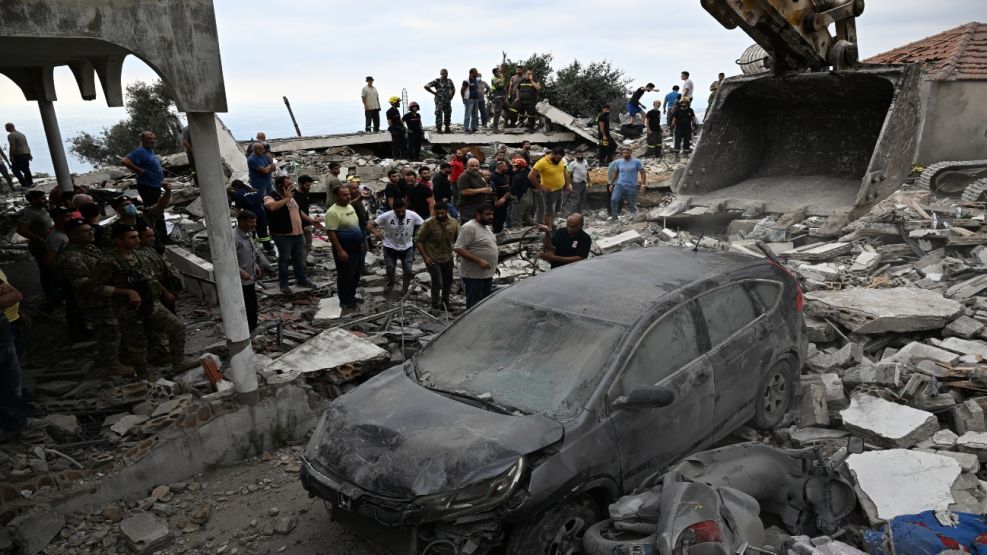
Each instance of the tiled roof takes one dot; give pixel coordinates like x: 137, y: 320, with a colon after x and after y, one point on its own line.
x: 957, y: 54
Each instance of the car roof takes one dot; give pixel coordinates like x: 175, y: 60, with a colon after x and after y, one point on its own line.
x: 624, y: 286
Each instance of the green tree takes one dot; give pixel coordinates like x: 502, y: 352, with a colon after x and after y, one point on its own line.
x: 578, y: 89
x: 149, y: 108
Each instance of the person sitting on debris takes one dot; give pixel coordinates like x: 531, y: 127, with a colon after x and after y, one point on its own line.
x: 286, y: 220
x: 476, y: 246
x: 668, y: 106
x: 76, y: 265
x: 348, y: 242
x: 250, y: 262
x: 434, y: 240
x: 443, y: 89
x: 135, y: 298
x: 652, y: 122
x: 607, y: 146
x: 500, y: 182
x: 303, y: 196
x: 247, y: 198
x: 168, y: 277
x: 33, y: 224
x: 12, y: 417
x: 395, y: 126
x: 261, y: 170
x: 634, y: 106
x: 396, y: 228
x: 473, y: 190
x: 443, y: 188
x: 683, y: 122
x: 626, y: 183
x: 522, y: 196
x: 568, y: 245
x: 550, y: 179
x: 397, y: 188
x: 421, y: 199
x: 371, y: 106
x: 416, y: 132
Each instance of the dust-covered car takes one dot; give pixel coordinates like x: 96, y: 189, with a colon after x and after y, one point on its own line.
x: 519, y: 423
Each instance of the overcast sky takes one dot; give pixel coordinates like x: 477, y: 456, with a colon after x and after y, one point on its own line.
x: 318, y: 51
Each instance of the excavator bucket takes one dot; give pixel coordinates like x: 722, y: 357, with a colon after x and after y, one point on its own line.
x: 828, y: 142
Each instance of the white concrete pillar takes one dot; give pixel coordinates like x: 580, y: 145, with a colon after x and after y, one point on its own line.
x: 55, y: 146
x: 212, y: 190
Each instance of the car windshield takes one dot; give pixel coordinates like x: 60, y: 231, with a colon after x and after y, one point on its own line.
x: 522, y: 356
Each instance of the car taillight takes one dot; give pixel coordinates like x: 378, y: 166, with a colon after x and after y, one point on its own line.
x: 707, y: 531
x: 799, y: 297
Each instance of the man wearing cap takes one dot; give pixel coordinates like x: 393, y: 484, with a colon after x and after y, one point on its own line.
x: 683, y: 121
x: 443, y: 90
x: 395, y: 125
x: 416, y: 133
x: 134, y: 295
x: 76, y: 265
x: 371, y: 106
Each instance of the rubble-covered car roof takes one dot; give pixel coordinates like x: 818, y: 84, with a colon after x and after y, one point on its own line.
x: 622, y: 287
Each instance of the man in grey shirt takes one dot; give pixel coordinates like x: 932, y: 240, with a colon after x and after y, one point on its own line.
x: 579, y: 170
x: 20, y: 156
x: 248, y: 259
x: 476, y: 246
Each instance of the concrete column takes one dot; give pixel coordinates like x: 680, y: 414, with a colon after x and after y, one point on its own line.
x: 212, y: 190
x: 55, y: 146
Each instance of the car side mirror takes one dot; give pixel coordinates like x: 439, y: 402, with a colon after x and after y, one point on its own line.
x: 855, y: 445
x: 648, y: 396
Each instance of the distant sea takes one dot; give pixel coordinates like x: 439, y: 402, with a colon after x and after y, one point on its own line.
x: 244, y: 121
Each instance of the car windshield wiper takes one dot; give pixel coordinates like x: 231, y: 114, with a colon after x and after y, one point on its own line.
x: 489, y: 403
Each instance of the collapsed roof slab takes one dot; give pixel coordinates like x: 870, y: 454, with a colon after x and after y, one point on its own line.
x: 357, y: 139
x: 323, y: 141
x: 492, y: 138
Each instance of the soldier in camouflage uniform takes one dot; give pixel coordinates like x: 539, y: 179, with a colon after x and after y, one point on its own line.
x: 135, y: 294
x: 443, y: 89
x: 76, y: 264
x: 161, y: 269
x: 498, y: 96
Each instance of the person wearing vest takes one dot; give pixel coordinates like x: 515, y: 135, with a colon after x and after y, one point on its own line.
x: 286, y: 222
x: 527, y: 95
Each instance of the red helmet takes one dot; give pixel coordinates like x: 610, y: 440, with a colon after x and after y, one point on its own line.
x: 519, y: 162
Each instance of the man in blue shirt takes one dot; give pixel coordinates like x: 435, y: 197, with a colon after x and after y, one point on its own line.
x: 262, y: 169
x: 669, y: 105
x: 143, y: 162
x: 626, y: 186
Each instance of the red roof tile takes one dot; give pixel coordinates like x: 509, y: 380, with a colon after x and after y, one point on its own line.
x: 954, y: 55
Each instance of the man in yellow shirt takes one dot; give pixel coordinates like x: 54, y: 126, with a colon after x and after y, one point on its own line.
x: 17, y: 320
x: 549, y: 179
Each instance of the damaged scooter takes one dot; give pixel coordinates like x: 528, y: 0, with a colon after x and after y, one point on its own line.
x: 713, y: 503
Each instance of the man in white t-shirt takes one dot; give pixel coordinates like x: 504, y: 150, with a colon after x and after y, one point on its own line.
x: 688, y: 87
x: 397, y: 228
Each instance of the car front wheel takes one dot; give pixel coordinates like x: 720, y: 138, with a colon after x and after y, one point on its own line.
x: 774, y: 396
x: 558, y: 531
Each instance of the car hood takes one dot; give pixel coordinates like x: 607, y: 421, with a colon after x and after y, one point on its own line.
x: 394, y: 437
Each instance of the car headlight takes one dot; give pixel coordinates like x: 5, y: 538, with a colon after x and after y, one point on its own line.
x: 477, y: 497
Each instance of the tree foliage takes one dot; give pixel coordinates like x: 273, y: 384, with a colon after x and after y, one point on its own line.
x: 576, y: 88
x: 149, y: 108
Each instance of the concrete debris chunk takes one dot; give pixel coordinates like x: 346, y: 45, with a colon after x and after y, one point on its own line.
x: 968, y: 417
x: 963, y: 327
x: 146, y: 533
x: 330, y: 349
x: 610, y: 244
x: 329, y: 310
x: 879, y: 476
x: 975, y: 443
x: 873, y: 311
x: 826, y: 271
x: 968, y: 288
x: 964, y: 346
x: 33, y: 531
x: 819, y: 331
x: 883, y: 373
x: 64, y: 423
x: 128, y: 423
x: 916, y: 351
x: 809, y: 436
x: 888, y: 424
x: 866, y: 262
x: 944, y: 439
x: 823, y: 545
x: 819, y: 252
x: 813, y: 409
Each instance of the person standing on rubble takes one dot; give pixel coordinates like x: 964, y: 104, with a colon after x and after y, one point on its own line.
x: 521, y: 194
x: 246, y: 198
x: 500, y: 182
x: 76, y: 265
x: 416, y: 132
x: 652, y: 122
x: 568, y: 245
x: 434, y: 240
x: 250, y: 263
x: 162, y: 270
x: 130, y: 212
x: 303, y: 196
x: 397, y: 188
x: 348, y: 243
x: 371, y: 106
x: 395, y: 126
x: 688, y: 88
x: 470, y: 93
x: 443, y: 90
x: 498, y: 96
x: 577, y: 200
x: 286, y: 220
x: 33, y: 224
x: 683, y: 122
x: 476, y: 246
x: 261, y: 138
x: 527, y: 98
x: 150, y: 177
x: 473, y: 190
x: 458, y: 163
x: 512, y: 113
x: 421, y: 199
x: 442, y: 188
x: 261, y: 169
x: 668, y: 106
x: 20, y: 156
x: 715, y: 88
x: 12, y: 417
x: 397, y: 228
x: 634, y: 106
x: 607, y: 145
x: 551, y: 180
x: 362, y: 215
x: 628, y: 169
x: 134, y: 295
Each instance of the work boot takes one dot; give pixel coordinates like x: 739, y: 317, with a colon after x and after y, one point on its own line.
x: 117, y: 368
x: 448, y: 130
x: 405, y: 284
x: 389, y: 286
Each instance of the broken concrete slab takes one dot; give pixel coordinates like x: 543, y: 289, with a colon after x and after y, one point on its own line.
x: 609, y: 244
x: 917, y: 351
x: 975, y: 443
x: 963, y: 327
x: 968, y: 288
x: 825, y: 271
x: 872, y: 311
x: 330, y: 349
x: 865, y: 262
x: 809, y: 436
x: 888, y: 424
x: 968, y: 462
x: 146, y: 533
x: 329, y: 311
x: 813, y: 410
x: 883, y: 373
x: 571, y: 123
x: 818, y: 252
x: 64, y: 423
x: 944, y: 439
x: 968, y: 417
x: 963, y: 346
x: 495, y: 138
x: 879, y: 475
x: 33, y: 531
x: 128, y: 423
